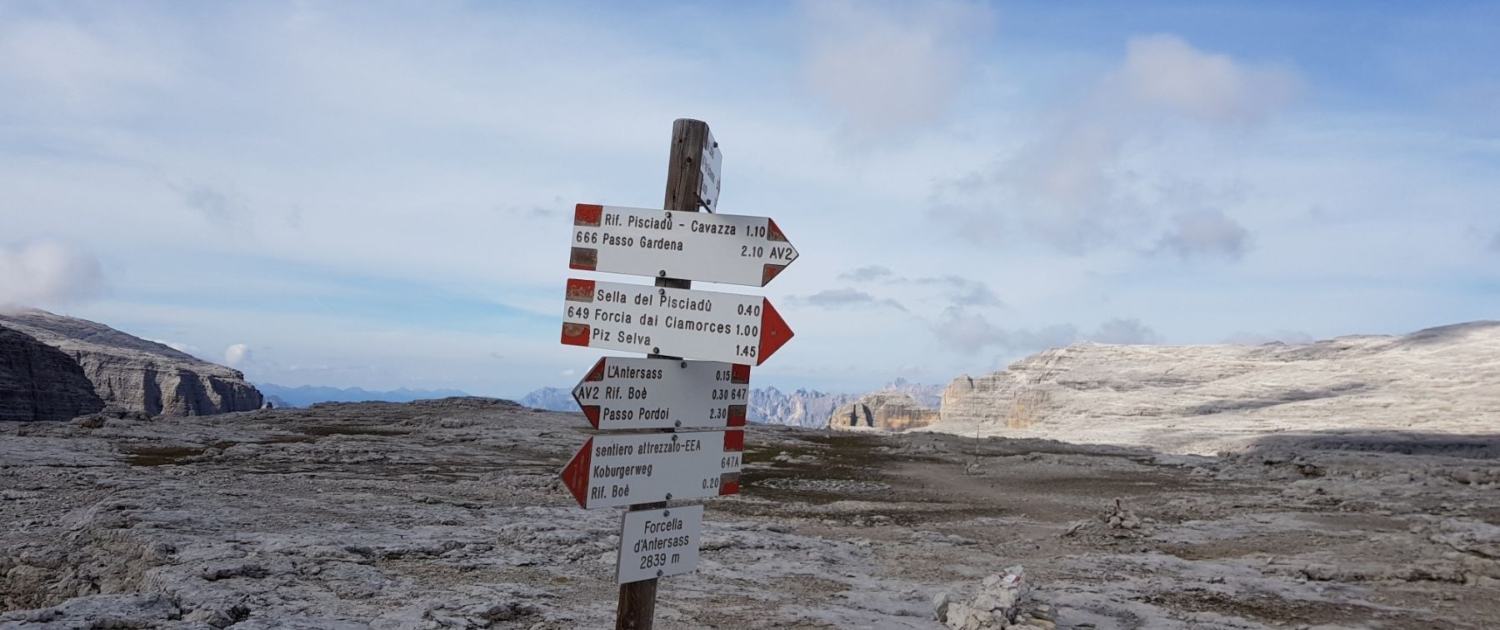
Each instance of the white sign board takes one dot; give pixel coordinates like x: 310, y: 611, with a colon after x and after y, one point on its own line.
x: 621, y: 393
x: 728, y: 248
x: 659, y: 543
x: 709, y: 165
x: 626, y: 469
x: 674, y: 322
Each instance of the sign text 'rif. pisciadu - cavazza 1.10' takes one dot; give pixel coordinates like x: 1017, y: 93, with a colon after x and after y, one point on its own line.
x: 725, y: 248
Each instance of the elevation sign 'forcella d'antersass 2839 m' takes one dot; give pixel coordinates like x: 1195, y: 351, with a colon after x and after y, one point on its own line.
x: 675, y: 322
x: 725, y: 248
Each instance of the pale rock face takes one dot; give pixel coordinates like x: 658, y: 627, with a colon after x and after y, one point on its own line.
x: 39, y: 382
x: 890, y: 411
x: 1202, y: 399
x: 551, y: 399
x: 802, y: 408
x: 133, y: 374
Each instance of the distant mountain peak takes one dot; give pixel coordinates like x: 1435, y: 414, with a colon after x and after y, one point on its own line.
x: 305, y: 395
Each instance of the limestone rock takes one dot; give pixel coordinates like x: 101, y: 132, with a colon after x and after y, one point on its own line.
x: 889, y: 411
x: 39, y: 382
x: 1204, y: 399
x: 802, y: 408
x: 133, y: 374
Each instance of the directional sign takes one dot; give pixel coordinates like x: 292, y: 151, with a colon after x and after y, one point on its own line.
x: 659, y: 543
x: 612, y: 470
x: 655, y: 394
x: 709, y: 164
x: 726, y: 248
x: 675, y: 322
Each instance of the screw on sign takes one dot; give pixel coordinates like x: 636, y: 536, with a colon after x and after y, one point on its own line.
x: 700, y: 346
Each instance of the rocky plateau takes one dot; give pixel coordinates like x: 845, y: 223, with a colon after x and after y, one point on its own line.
x: 450, y: 514
x: 1204, y: 399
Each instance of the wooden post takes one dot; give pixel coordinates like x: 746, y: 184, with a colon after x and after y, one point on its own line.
x: 637, y: 608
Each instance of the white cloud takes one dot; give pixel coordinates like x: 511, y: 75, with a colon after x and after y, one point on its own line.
x: 846, y: 297
x: 1078, y: 186
x: 1163, y: 71
x: 47, y: 272
x: 888, y: 66
x: 866, y: 274
x: 969, y: 333
x: 178, y: 346
x: 80, y: 64
x: 1205, y: 233
x: 1125, y: 330
x: 237, y: 354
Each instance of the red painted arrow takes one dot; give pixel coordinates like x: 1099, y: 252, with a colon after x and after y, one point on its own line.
x: 774, y: 333
x: 576, y: 474
x: 590, y: 411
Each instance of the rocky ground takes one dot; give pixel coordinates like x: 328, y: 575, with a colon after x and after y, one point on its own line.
x: 448, y: 514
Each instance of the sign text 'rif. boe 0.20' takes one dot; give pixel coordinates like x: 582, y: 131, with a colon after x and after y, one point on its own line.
x: 674, y: 322
x: 726, y: 248
x: 620, y: 393
x: 626, y: 469
x: 659, y: 543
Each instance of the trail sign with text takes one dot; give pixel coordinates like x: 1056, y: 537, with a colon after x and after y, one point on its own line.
x: 701, y: 346
x: 625, y: 469
x: 659, y: 543
x: 708, y: 164
x: 675, y: 322
x: 727, y: 248
x: 621, y: 393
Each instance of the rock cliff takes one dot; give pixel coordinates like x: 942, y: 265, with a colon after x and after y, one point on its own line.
x: 1207, y: 398
x: 888, y: 410
x: 39, y: 382
x: 133, y: 374
x: 551, y: 399
x: 802, y: 408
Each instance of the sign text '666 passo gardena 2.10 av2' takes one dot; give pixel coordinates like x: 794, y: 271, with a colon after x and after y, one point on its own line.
x: 726, y: 248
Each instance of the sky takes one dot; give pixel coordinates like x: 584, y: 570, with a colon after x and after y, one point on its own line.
x: 378, y: 194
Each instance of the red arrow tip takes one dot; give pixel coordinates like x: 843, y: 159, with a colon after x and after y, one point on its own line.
x: 774, y: 333
x: 592, y: 413
x: 576, y: 474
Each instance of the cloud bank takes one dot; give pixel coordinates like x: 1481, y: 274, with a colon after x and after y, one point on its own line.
x: 47, y: 272
x: 885, y: 66
x: 1075, y: 186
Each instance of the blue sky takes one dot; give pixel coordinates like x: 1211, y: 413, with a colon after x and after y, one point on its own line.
x: 376, y: 194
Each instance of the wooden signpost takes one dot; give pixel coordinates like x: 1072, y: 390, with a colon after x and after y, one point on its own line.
x: 699, y: 346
